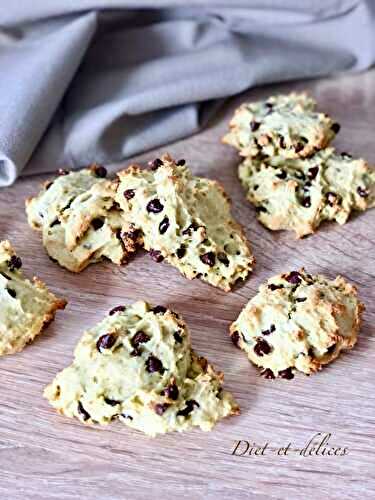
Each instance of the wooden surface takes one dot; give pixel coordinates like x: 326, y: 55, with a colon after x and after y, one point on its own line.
x: 46, y: 456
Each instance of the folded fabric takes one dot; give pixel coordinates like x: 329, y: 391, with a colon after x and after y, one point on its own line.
x: 104, y: 80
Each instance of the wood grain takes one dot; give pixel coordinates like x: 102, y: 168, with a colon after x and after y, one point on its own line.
x: 46, y: 456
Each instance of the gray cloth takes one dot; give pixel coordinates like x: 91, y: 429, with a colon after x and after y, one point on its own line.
x: 101, y: 80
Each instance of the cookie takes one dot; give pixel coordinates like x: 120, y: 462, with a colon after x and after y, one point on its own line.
x: 298, y: 322
x: 185, y: 220
x: 79, y: 219
x: 283, y: 125
x: 299, y: 194
x: 25, y: 307
x: 137, y: 366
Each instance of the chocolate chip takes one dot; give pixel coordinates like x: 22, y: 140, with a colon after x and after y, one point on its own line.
x: 181, y: 162
x: 268, y: 374
x: 129, y: 194
x: 159, y: 310
x: 97, y: 223
x: 223, y: 258
x: 269, y: 105
x: 312, y: 172
x: 156, y: 255
x: 14, y: 263
x: 335, y: 127
x: 331, y: 349
x: 271, y: 329
x: 12, y: 292
x: 129, y: 417
x: 155, y: 164
x: 208, y: 259
x: 139, y: 338
x: 301, y: 299
x: 282, y: 174
x: 154, y: 364
x: 132, y: 234
x: 56, y: 222
x: 105, y: 342
x: 294, y: 277
x: 287, y: 373
x: 62, y: 171
x: 363, y: 192
x: 282, y: 142
x: 116, y: 309
x: 193, y: 227
x: 235, y: 338
x: 331, y: 198
x: 111, y: 402
x: 307, y: 186
x: 344, y: 154
x: 190, y: 404
x: 154, y: 206
x: 164, y: 225
x: 306, y: 202
x: 254, y: 125
x: 260, y: 209
x: 177, y: 337
x: 274, y: 287
x: 181, y: 252
x: 100, y: 171
x: 48, y: 185
x: 262, y: 347
x: 171, y: 391
x: 84, y: 414
x: 136, y: 352
x: 160, y: 408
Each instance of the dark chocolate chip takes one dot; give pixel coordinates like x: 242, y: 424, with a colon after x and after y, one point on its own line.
x: 294, y: 277
x: 301, y: 299
x: 268, y: 374
x: 155, y: 164
x: 271, y: 329
x: 48, y: 185
x: 287, y: 373
x: 269, y: 105
x: 335, y: 127
x: 116, y: 309
x: 235, y: 338
x: 208, y: 259
x: 154, y: 364
x: 312, y: 172
x: 171, y: 391
x: 164, y: 225
x: 282, y: 174
x: 223, y: 258
x: 156, y: 255
x: 177, y: 337
x: 282, y: 142
x: 84, y: 414
x: 306, y: 202
x: 132, y: 234
x: 139, y: 338
x: 260, y: 209
x: 154, y: 206
x: 299, y: 147
x: 97, y: 223
x: 129, y: 417
x: 331, y: 198
x: 100, y: 171
x: 136, y: 352
x: 254, y: 125
x: 344, y: 154
x: 12, y: 292
x: 181, y: 162
x: 262, y: 347
x: 105, y: 342
x: 160, y: 408
x: 363, y: 192
x: 193, y: 227
x: 181, y: 252
x: 14, y: 263
x: 112, y: 402
x: 129, y: 194
x: 331, y: 349
x: 159, y: 310
x: 190, y: 404
x: 274, y: 287
x: 56, y: 222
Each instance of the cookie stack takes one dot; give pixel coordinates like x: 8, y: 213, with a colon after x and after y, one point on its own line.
x: 289, y: 173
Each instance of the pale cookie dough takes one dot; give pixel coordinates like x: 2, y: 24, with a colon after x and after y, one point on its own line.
x: 299, y: 194
x: 285, y: 125
x: 185, y: 220
x: 79, y: 219
x: 137, y: 366
x: 298, y: 322
x: 25, y: 307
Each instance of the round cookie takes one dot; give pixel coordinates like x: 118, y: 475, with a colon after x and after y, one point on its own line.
x: 298, y: 322
x: 137, y: 366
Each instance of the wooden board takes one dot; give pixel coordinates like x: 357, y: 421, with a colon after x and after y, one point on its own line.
x: 46, y: 456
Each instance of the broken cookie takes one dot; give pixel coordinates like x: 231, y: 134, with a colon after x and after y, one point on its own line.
x: 137, y: 366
